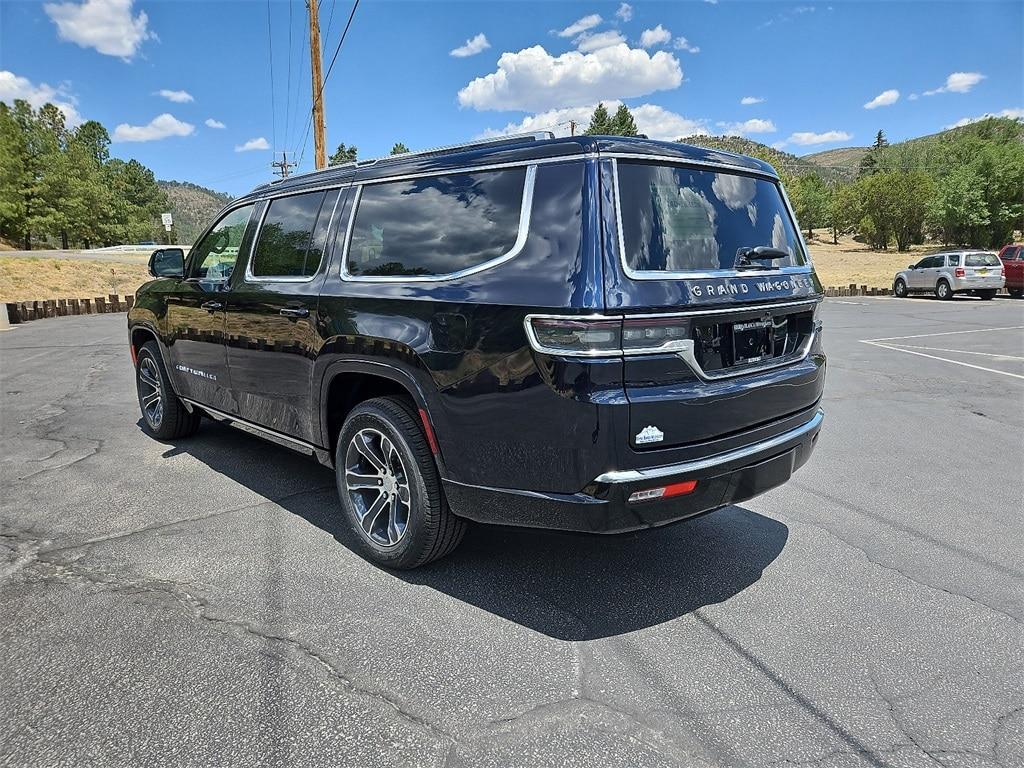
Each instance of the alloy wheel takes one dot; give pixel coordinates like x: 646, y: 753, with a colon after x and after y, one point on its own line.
x: 151, y: 392
x: 378, y: 486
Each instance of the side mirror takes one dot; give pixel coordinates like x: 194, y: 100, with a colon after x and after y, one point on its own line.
x: 167, y: 262
x: 912, y: 266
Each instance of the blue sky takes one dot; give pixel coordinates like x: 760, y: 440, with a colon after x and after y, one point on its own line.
x: 164, y: 76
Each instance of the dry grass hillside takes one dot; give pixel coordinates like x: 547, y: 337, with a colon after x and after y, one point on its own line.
x: 193, y: 208
x: 854, y: 262
x: 30, y: 279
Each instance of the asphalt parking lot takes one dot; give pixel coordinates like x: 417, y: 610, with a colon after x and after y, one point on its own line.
x: 196, y: 604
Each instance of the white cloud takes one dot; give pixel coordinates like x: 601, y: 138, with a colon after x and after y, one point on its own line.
x: 711, y: 2
x: 251, y: 144
x: 754, y: 125
x: 651, y: 120
x: 160, y: 127
x: 211, y: 123
x: 533, y: 80
x: 913, y: 97
x: 106, y: 25
x: 682, y: 44
x: 958, y: 82
x: 588, y: 42
x: 884, y: 99
x: 472, y: 47
x: 178, y: 97
x: 649, y: 38
x: 581, y: 25
x: 625, y: 12
x: 14, y: 87
x: 806, y: 138
x: 748, y: 100
x: 1017, y: 114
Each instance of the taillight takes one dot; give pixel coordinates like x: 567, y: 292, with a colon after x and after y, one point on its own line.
x: 959, y: 272
x: 602, y: 336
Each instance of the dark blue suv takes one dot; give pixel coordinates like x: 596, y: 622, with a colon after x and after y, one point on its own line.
x: 593, y: 334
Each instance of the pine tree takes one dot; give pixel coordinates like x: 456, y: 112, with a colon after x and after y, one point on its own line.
x: 880, y: 140
x: 600, y: 122
x: 623, y: 123
x: 343, y: 155
x: 399, y: 149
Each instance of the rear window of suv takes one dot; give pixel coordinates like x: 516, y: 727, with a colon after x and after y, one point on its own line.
x: 437, y: 225
x: 686, y: 220
x: 981, y: 260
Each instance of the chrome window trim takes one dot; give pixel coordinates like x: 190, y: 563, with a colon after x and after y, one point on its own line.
x: 803, y: 269
x: 525, y: 211
x: 249, y: 277
x: 734, y: 308
x: 697, y: 465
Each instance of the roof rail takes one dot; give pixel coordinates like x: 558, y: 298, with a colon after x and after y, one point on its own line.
x: 514, y: 138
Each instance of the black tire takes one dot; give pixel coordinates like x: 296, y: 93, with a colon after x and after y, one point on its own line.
x: 899, y: 288
x: 1016, y: 293
x: 943, y: 290
x: 987, y: 295
x: 173, y: 419
x: 430, y: 530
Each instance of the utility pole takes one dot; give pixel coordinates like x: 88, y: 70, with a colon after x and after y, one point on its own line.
x: 283, y: 166
x: 319, y: 142
x: 572, y: 127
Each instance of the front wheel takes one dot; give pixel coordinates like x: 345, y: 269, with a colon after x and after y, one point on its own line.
x: 900, y: 288
x: 943, y: 291
x: 164, y: 416
x: 390, y: 489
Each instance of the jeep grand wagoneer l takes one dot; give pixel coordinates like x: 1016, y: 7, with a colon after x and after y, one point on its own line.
x: 591, y: 334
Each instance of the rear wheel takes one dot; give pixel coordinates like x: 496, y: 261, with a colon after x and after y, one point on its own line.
x: 390, y: 489
x: 900, y: 288
x: 1016, y: 292
x: 943, y: 291
x: 164, y: 416
x: 987, y: 295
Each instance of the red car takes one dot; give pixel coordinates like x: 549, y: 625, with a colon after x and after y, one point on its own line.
x: 1012, y: 257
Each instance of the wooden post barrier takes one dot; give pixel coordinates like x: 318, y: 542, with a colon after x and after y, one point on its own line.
x: 101, y: 305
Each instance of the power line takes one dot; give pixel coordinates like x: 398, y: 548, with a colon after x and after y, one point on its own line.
x: 337, y: 50
x: 273, y: 102
x: 288, y: 86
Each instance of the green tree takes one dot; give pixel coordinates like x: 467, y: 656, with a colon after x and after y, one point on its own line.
x: 623, y: 124
x: 958, y: 213
x: 600, y: 122
x: 810, y: 198
x: 343, y: 155
x: 399, y: 149
x: 869, y: 163
x: 843, y: 210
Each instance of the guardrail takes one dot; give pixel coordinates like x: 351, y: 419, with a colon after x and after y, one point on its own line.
x: 24, y: 311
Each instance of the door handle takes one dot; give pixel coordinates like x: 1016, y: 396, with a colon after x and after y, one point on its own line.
x: 294, y: 312
x: 211, y: 306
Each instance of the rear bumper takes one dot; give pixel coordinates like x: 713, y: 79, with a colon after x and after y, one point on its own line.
x: 603, y: 507
x: 978, y: 283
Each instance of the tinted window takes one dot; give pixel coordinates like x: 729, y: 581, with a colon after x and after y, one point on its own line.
x: 291, y: 240
x: 953, y: 261
x: 981, y: 260
x: 214, y: 257
x: 437, y: 225
x: 679, y: 219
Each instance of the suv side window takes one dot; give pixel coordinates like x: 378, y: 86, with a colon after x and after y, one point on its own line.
x: 953, y: 261
x: 436, y: 225
x: 214, y: 257
x: 292, y: 236
x: 923, y: 263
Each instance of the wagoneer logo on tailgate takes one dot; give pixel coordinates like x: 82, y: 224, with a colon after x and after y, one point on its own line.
x: 730, y: 288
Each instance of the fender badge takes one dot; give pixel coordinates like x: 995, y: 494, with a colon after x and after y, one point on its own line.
x: 649, y: 434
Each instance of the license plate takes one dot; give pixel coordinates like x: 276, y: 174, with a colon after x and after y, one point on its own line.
x: 983, y: 272
x: 752, y: 341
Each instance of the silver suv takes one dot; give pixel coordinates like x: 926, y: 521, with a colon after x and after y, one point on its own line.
x: 946, y: 274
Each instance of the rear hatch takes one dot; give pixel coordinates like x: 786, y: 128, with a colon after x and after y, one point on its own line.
x: 711, y: 269
x: 982, y: 267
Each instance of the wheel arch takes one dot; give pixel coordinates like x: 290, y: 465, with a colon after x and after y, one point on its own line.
x: 346, y: 383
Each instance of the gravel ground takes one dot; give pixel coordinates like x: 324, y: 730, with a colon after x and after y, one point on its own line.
x: 196, y: 603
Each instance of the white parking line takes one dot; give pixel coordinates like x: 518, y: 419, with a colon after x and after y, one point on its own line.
x: 943, y: 359
x: 957, y: 351
x: 947, y: 333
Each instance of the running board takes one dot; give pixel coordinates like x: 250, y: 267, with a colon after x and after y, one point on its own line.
x: 278, y: 438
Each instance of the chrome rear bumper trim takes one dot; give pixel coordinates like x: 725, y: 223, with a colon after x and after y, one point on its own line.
x: 635, y: 475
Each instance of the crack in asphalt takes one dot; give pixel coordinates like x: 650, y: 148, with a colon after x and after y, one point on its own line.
x: 200, y: 609
x: 894, y: 569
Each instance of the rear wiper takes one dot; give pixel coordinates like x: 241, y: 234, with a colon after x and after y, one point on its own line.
x: 744, y: 257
